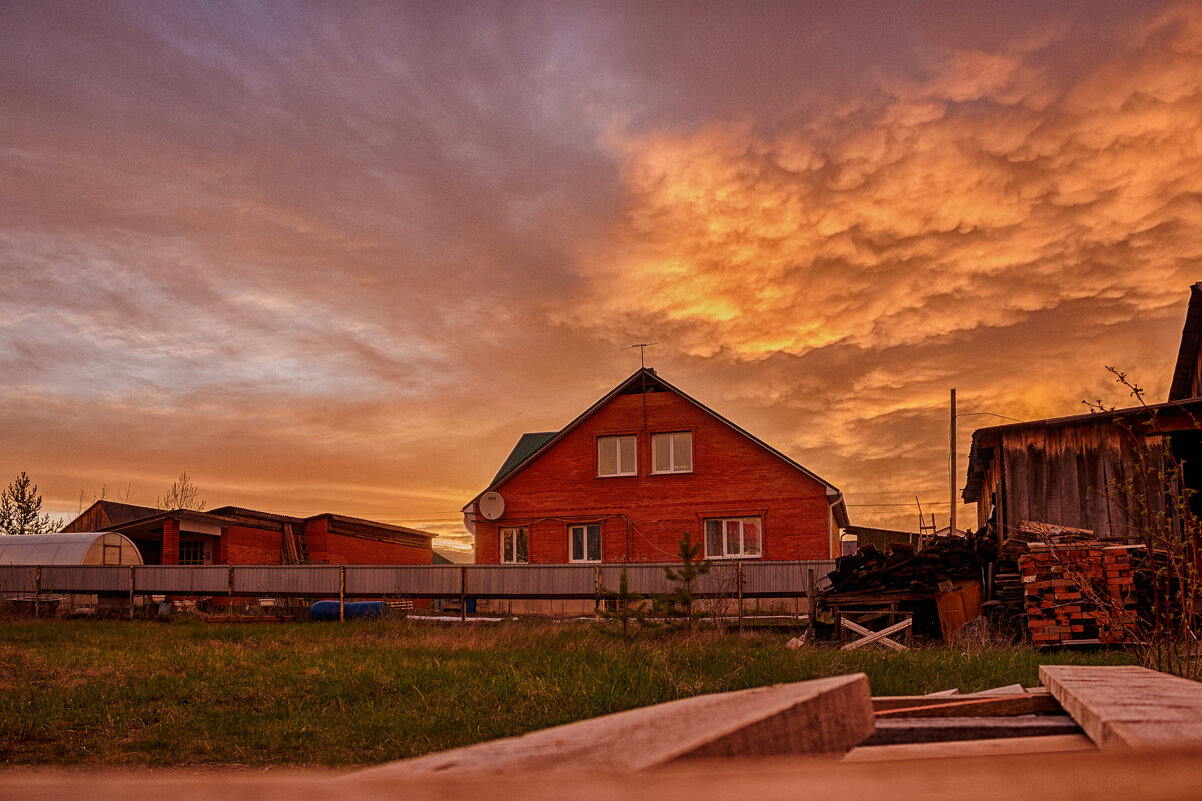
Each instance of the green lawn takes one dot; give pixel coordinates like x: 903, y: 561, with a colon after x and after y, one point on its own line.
x: 114, y: 693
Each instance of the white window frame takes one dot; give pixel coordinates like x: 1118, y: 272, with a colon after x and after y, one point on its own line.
x: 671, y: 435
x: 619, y: 441
x: 586, y: 528
x: 514, y: 532
x: 742, y: 521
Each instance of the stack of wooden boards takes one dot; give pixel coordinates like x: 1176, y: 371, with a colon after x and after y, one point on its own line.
x: 1076, y: 590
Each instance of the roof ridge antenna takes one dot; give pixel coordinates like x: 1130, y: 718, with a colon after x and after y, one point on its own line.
x: 641, y: 346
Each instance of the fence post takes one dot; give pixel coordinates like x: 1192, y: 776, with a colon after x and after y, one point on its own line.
x: 37, y: 591
x: 342, y: 594
x: 462, y: 594
x: 739, y: 593
x: 229, y: 593
x: 131, y: 592
x: 597, y: 595
x: 812, y: 598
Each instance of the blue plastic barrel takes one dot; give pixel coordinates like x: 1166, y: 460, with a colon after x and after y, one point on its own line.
x: 357, y: 610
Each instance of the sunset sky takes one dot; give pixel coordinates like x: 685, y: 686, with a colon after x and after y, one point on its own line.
x: 339, y: 256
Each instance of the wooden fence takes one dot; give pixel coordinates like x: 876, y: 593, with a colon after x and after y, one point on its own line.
x: 744, y: 579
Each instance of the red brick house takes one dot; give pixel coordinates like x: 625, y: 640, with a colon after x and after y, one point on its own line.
x: 638, y: 469
x: 234, y: 536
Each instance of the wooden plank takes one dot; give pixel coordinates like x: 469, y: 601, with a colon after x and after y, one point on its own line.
x: 933, y: 730
x: 969, y: 707
x: 881, y: 636
x: 963, y: 749
x: 1147, y: 776
x: 820, y: 716
x: 882, y: 702
x: 1128, y: 707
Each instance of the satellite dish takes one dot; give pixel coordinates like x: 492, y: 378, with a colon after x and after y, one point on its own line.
x: 492, y: 505
x: 469, y: 522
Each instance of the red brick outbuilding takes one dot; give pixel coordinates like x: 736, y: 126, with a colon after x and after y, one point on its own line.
x: 638, y: 469
x: 231, y: 535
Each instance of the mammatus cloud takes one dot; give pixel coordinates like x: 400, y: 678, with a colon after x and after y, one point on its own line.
x: 333, y: 259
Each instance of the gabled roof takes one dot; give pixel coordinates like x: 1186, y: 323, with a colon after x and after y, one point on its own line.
x: 104, y: 513
x: 1187, y: 352
x: 527, y: 446
x: 645, y: 379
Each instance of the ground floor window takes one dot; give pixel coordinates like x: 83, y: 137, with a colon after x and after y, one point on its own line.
x: 515, y: 545
x: 733, y: 537
x: 192, y: 552
x: 585, y: 543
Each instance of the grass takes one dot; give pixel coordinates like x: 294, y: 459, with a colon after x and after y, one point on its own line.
x: 119, y: 693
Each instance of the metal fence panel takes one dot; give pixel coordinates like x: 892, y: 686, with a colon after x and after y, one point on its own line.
x: 85, y: 578
x: 182, y: 579
x: 531, y: 581
x: 425, y: 581
x: 17, y: 578
x: 306, y: 580
x: 764, y: 579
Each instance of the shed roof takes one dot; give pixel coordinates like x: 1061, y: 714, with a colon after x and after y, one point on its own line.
x: 48, y: 549
x: 984, y: 440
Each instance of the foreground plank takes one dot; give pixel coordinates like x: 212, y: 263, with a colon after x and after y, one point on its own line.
x: 1000, y: 705
x: 809, y: 717
x: 1147, y: 776
x: 1127, y: 707
x: 936, y: 730
x: 961, y: 749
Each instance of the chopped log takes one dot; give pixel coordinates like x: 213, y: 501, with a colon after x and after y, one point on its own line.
x: 809, y: 717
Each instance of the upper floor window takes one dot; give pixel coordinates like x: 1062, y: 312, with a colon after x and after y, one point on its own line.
x: 672, y: 453
x: 585, y: 543
x: 732, y: 537
x: 515, y: 545
x: 616, y: 456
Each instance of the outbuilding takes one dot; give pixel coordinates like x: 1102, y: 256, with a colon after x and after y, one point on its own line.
x: 74, y: 548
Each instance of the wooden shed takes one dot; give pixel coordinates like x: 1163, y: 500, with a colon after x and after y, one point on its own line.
x: 1089, y: 471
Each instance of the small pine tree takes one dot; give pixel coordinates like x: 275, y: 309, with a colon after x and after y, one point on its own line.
x: 21, y: 509
x: 627, y: 605
x: 679, y: 602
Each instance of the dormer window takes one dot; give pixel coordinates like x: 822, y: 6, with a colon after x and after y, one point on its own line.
x: 616, y: 456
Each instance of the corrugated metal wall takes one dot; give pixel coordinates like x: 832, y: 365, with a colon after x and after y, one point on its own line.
x: 17, y: 578
x: 760, y: 579
x: 198, y: 580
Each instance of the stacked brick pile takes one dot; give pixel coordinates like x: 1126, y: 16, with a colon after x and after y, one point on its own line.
x: 1078, y: 595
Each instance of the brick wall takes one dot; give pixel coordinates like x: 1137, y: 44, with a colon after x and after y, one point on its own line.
x: 244, y: 545
x: 171, y: 542
x: 644, y: 516
x: 344, y: 550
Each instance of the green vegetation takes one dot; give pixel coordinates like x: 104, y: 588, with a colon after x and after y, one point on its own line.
x: 112, y: 693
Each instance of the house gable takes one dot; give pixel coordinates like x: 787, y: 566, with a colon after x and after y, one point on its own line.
x: 641, y: 514
x: 643, y: 384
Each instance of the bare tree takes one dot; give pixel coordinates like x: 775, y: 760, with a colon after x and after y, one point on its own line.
x: 182, y: 495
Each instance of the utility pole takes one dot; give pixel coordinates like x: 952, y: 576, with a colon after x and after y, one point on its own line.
x: 952, y: 464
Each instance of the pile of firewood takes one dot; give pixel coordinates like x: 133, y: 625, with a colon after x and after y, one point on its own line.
x: 903, y: 568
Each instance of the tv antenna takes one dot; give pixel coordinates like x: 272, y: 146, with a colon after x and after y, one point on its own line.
x: 641, y: 346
